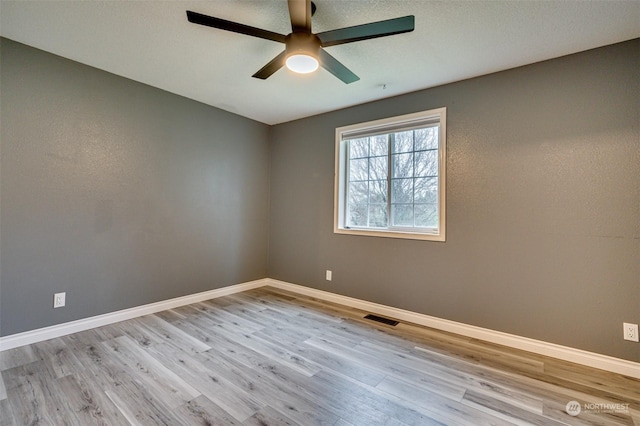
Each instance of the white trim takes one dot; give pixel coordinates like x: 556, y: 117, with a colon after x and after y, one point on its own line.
x: 390, y: 233
x: 578, y: 356
x: 46, y: 333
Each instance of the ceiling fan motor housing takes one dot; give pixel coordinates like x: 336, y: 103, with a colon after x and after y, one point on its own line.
x: 302, y: 43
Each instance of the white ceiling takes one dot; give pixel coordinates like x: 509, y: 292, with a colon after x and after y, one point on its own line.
x: 152, y: 42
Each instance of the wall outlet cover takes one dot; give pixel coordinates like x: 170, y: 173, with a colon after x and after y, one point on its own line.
x: 630, y: 331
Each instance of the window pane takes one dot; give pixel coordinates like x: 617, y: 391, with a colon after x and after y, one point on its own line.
x: 403, y: 165
x: 378, y: 191
x: 403, y: 141
x: 379, y: 145
x: 359, y: 169
x: 359, y: 148
x: 357, y: 215
x: 426, y: 163
x: 402, y: 191
x: 402, y: 215
x: 378, y: 215
x: 426, y: 138
x: 426, y: 190
x: 378, y: 167
x: 358, y: 193
x: 427, y: 215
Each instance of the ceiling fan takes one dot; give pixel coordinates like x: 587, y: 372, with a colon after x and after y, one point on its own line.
x: 304, y: 50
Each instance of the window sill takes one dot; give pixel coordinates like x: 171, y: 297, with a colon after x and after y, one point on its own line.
x: 391, y: 234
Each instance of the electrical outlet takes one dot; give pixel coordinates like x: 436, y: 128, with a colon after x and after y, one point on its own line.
x: 328, y: 275
x: 59, y: 300
x: 630, y: 331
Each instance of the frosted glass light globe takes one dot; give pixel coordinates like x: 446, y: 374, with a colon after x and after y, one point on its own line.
x: 302, y: 64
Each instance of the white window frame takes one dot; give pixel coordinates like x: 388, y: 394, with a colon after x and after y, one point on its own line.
x: 390, y: 125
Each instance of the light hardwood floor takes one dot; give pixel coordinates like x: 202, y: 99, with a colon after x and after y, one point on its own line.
x: 268, y: 357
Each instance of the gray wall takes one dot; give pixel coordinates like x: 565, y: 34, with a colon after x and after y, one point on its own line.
x: 543, y: 205
x: 118, y: 193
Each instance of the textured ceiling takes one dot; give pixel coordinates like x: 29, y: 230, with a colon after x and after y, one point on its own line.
x: 152, y: 42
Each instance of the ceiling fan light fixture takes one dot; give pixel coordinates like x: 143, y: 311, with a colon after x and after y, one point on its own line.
x: 302, y: 63
x: 302, y: 52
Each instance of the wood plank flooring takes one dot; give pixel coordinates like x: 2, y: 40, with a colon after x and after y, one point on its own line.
x: 268, y: 357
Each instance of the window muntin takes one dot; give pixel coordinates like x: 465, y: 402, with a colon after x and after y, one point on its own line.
x: 390, y: 177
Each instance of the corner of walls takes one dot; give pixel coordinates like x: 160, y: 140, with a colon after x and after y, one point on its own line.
x: 268, y: 210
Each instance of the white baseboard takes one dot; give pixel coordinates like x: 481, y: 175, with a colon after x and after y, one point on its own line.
x: 46, y: 333
x: 591, y: 359
x: 578, y: 356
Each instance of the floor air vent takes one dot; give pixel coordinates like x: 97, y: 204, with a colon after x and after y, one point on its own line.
x: 382, y: 320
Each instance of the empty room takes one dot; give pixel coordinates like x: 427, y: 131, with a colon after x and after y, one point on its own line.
x: 338, y: 212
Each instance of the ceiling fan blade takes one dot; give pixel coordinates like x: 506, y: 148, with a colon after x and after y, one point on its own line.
x: 336, y: 68
x: 223, y: 24
x: 274, y: 65
x: 300, y: 13
x: 367, y: 31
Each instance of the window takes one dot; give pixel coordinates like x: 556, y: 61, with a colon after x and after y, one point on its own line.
x: 390, y: 177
